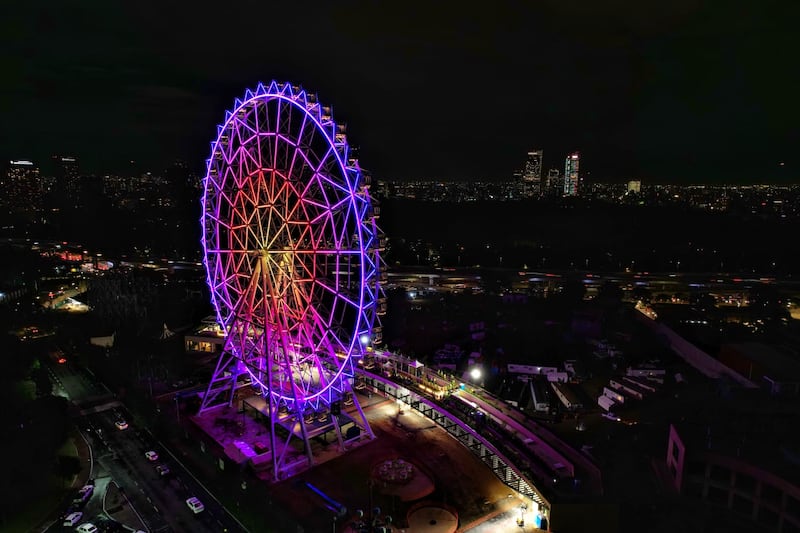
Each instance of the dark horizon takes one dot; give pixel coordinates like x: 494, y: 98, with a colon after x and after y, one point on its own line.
x: 47, y: 166
x: 678, y: 93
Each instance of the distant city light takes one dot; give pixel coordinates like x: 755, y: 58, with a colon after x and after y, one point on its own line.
x: 475, y: 373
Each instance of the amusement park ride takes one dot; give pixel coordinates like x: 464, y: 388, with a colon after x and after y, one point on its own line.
x: 292, y: 255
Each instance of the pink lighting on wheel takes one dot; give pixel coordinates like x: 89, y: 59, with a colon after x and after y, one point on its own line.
x: 290, y: 246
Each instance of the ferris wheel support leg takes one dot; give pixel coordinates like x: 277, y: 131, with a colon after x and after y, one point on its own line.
x: 218, y: 384
x: 273, y: 413
x: 261, y: 272
x: 364, y: 421
x: 338, y: 429
x: 306, y: 441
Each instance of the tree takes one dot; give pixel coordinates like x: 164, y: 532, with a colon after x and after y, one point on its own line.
x: 573, y: 291
x: 67, y: 467
x: 768, y: 303
x: 610, y: 293
x: 642, y: 293
x: 44, y: 387
x: 702, y: 300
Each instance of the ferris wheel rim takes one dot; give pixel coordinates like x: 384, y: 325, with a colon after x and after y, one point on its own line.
x: 350, y: 175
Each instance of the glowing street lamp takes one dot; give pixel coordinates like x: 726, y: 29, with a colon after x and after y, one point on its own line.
x: 475, y: 373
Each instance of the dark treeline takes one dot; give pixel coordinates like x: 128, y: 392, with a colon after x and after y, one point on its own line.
x: 587, y: 236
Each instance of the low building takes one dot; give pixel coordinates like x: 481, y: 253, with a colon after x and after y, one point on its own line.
x: 731, y: 466
x: 773, y: 370
x: 207, y: 338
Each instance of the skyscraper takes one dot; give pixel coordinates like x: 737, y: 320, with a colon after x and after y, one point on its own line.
x: 554, y: 185
x: 67, y: 181
x: 571, y: 179
x: 532, y: 175
x: 21, y: 187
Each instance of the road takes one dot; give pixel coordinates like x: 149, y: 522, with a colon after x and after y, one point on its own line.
x: 157, y: 503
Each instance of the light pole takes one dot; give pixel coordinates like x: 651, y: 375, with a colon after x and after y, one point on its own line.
x: 476, y: 375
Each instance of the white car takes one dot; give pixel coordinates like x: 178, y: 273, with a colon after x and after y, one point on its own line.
x: 73, y: 518
x: 87, y: 527
x: 195, y: 505
x: 121, y: 424
x: 151, y: 455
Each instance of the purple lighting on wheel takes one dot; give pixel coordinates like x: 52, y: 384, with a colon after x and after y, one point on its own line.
x: 290, y: 246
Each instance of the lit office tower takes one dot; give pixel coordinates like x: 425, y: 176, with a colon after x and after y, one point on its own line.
x: 571, y: 174
x: 21, y: 187
x: 532, y: 175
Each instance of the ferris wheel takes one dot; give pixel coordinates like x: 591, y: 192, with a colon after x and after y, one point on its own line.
x: 292, y: 257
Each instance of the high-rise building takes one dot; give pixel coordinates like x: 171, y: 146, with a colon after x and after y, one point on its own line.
x: 553, y: 186
x: 67, y: 190
x: 571, y: 178
x: 532, y: 175
x: 21, y: 187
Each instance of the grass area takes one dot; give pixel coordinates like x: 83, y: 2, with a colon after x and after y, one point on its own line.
x: 25, y: 390
x: 52, y: 492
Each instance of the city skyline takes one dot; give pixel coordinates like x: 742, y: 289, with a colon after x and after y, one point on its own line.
x: 667, y: 97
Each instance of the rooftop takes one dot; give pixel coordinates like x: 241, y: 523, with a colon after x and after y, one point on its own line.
x: 749, y: 426
x: 777, y: 363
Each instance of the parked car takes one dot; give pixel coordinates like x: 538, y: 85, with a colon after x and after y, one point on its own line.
x: 73, y: 518
x: 84, y: 493
x: 162, y: 470
x: 195, y: 505
x: 121, y: 424
x: 87, y: 527
x: 151, y: 455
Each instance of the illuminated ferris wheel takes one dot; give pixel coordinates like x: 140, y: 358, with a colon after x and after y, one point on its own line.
x: 292, y: 256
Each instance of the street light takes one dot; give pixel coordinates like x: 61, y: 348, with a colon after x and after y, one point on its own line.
x: 475, y: 373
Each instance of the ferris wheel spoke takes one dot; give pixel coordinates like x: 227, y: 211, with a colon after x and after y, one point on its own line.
x: 330, y: 210
x: 212, y: 217
x: 338, y: 294
x: 322, y: 324
x: 327, y: 252
x: 243, y: 123
x: 324, y: 173
x: 296, y: 147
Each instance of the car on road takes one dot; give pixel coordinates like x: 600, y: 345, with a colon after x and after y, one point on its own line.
x: 87, y: 527
x: 195, y: 505
x: 121, y: 424
x: 84, y: 493
x: 162, y: 470
x: 151, y: 455
x: 73, y: 518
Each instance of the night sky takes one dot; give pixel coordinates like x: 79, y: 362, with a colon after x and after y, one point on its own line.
x: 669, y: 92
